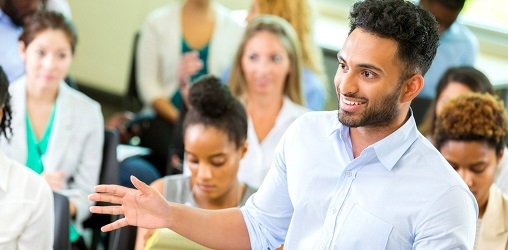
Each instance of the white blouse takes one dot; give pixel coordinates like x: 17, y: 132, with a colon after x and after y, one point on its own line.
x: 258, y: 159
x: 26, y: 208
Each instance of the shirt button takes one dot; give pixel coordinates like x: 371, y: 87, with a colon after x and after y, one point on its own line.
x: 348, y: 173
x: 334, y: 211
x: 322, y: 247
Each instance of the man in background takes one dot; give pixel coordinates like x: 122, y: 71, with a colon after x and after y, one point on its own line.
x: 13, y: 15
x: 457, y: 46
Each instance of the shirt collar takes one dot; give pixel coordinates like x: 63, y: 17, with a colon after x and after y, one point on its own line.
x: 451, y: 31
x: 4, y: 18
x: 390, y: 149
x: 338, y: 127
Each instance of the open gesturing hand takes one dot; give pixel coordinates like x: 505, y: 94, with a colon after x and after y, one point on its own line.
x: 144, y: 207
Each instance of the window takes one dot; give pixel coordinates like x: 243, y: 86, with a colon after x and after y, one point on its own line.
x: 487, y: 14
x: 486, y: 18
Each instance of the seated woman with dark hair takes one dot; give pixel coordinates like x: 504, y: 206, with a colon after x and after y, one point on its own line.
x: 215, y: 136
x: 470, y: 132
x: 58, y: 131
x: 457, y: 81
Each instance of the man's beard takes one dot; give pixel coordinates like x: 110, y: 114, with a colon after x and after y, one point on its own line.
x: 382, y: 116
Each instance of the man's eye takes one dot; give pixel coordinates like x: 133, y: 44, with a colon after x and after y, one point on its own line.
x: 369, y: 74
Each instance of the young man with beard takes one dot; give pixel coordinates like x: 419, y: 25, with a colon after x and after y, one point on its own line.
x: 367, y: 180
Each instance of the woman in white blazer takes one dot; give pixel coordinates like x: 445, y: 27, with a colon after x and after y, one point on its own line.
x: 470, y: 132
x: 57, y: 131
x: 178, y: 43
x: 162, y: 64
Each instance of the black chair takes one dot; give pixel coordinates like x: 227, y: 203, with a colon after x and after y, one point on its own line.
x: 156, y: 133
x: 109, y: 175
x: 62, y: 222
x: 420, y: 106
x: 132, y: 101
x: 123, y: 238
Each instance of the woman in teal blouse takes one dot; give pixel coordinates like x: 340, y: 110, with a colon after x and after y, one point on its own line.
x: 57, y: 131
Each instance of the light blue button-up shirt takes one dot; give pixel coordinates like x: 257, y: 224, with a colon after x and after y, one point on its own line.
x: 458, y: 46
x: 400, y: 193
x: 10, y: 60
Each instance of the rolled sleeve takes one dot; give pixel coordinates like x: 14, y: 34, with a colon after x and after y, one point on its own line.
x: 268, y: 213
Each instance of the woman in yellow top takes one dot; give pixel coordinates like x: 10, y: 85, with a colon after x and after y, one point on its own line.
x: 470, y: 132
x: 215, y: 136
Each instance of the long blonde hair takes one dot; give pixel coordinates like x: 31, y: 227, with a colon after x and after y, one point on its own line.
x: 299, y: 13
x: 287, y: 37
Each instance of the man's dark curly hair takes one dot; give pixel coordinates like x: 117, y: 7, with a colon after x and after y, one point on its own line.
x: 413, y: 28
x: 5, y: 98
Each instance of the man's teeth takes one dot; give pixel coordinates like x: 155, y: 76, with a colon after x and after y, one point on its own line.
x: 352, y: 103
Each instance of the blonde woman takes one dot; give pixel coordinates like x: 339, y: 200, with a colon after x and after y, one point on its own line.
x: 299, y: 13
x: 266, y: 76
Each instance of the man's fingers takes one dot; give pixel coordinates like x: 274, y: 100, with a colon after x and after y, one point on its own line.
x: 115, y: 225
x: 106, y: 198
x: 114, y: 210
x: 141, y: 186
x: 112, y: 189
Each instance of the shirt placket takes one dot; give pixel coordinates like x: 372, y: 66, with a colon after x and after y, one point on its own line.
x: 336, y: 207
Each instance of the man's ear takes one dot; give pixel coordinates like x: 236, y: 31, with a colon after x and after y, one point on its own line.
x: 244, y: 147
x: 22, y: 50
x: 411, y: 88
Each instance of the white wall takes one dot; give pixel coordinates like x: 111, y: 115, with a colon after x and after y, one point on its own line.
x: 106, y: 30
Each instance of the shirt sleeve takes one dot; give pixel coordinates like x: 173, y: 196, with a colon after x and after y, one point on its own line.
x: 449, y: 222
x: 268, y: 212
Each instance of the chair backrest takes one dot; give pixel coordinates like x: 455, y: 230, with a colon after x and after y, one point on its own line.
x: 109, y: 175
x: 110, y: 166
x: 420, y: 106
x: 62, y: 222
x: 123, y: 238
x: 133, y: 103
